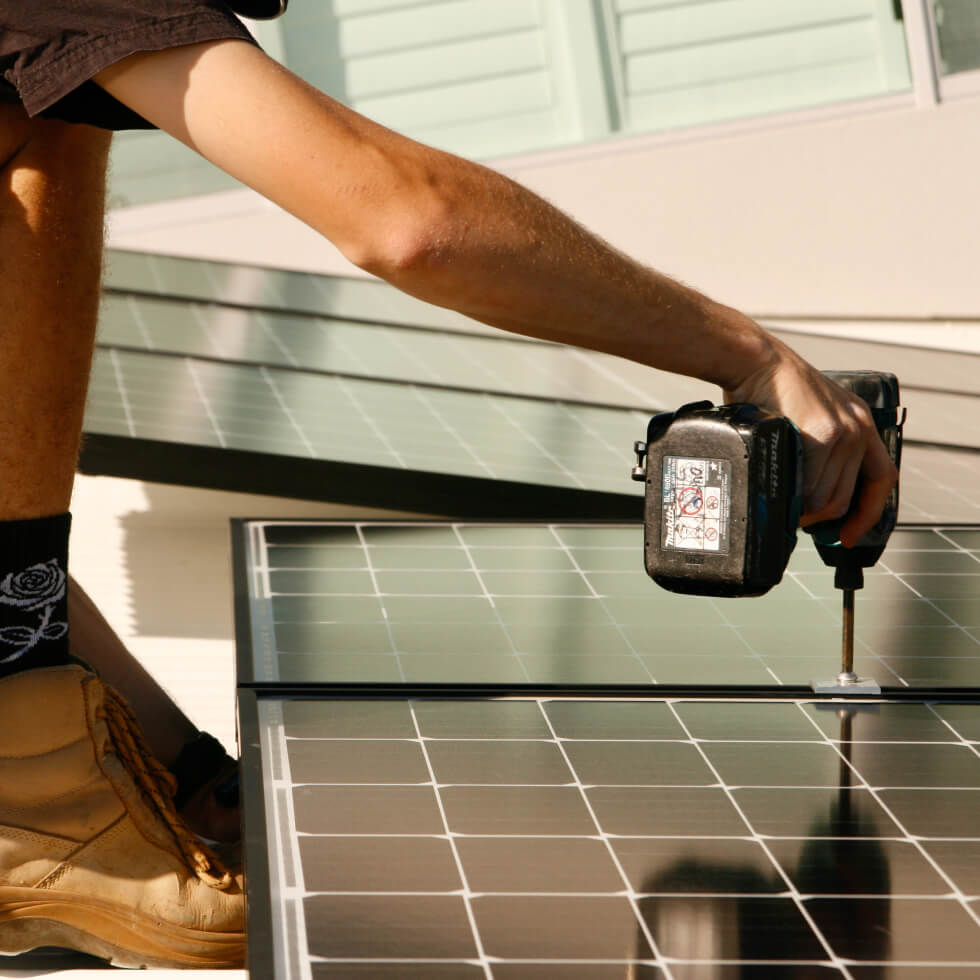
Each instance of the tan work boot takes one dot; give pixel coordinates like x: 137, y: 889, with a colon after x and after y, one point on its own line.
x: 93, y: 855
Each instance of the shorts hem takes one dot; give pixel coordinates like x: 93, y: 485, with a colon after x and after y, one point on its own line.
x: 91, y: 55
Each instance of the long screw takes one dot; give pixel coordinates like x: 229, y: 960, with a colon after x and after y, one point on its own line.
x: 847, y: 675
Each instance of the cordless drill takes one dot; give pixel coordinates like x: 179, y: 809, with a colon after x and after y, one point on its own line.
x: 724, y: 493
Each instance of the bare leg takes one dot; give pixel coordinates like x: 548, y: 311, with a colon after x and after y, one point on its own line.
x: 52, y: 192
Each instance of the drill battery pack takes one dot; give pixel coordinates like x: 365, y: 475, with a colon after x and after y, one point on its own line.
x: 724, y: 491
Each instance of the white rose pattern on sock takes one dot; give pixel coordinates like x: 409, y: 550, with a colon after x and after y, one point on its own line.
x: 39, y: 587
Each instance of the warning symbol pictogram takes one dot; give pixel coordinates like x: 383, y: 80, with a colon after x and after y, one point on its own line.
x: 690, y: 501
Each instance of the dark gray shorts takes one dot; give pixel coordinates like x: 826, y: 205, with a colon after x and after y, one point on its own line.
x: 50, y: 49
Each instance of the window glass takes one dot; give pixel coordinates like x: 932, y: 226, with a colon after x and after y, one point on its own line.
x: 958, y: 28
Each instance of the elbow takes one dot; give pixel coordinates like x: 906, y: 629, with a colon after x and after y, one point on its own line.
x: 410, y: 237
x: 407, y: 250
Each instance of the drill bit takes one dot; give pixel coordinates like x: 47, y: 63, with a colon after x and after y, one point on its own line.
x: 847, y: 675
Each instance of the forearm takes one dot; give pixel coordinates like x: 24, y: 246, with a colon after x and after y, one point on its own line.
x: 446, y: 230
x: 501, y: 254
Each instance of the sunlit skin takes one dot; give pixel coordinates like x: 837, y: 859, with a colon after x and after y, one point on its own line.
x: 460, y: 235
x: 52, y: 189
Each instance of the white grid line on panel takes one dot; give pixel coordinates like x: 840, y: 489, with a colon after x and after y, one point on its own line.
x: 278, y: 794
x: 134, y: 309
x: 535, y: 444
x: 915, y: 841
x: 457, y: 530
x: 347, y: 390
x: 553, y: 528
x: 629, y: 892
x: 467, y: 893
x: 790, y: 886
x: 270, y: 381
x: 462, y: 443
x: 380, y: 596
x: 205, y: 401
x: 270, y: 332
x: 123, y: 394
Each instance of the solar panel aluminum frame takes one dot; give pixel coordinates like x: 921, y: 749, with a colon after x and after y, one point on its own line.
x: 356, y: 484
x: 266, y: 951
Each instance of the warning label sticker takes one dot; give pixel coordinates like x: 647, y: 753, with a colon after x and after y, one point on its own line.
x: 697, y: 504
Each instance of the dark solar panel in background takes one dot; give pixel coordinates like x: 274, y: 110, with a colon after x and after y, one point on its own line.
x: 283, y: 382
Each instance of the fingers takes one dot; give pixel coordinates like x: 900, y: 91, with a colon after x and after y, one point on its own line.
x: 851, y: 473
x: 834, y: 458
x: 877, y: 477
x: 834, y: 488
x: 842, y: 447
x: 864, y: 476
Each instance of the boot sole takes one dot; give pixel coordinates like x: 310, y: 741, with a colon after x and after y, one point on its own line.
x: 122, y: 936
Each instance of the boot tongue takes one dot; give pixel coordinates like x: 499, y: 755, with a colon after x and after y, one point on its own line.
x: 158, y: 786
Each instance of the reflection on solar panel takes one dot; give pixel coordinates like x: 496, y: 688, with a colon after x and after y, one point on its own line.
x: 512, y: 605
x: 544, y: 838
x: 276, y: 289
x: 337, y: 389
x: 549, y: 834
x: 348, y: 439
x: 939, y: 387
x: 405, y: 446
x: 501, y: 363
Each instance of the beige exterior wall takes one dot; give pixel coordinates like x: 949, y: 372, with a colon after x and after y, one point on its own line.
x: 867, y: 211
x: 876, y: 213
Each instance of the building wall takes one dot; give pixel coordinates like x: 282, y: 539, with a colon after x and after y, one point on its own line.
x: 821, y: 184
x: 871, y: 214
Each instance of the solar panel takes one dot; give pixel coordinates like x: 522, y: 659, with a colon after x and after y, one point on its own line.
x: 276, y: 289
x: 501, y: 363
x: 409, y: 447
x: 414, y: 447
x: 536, y: 605
x: 582, y: 838
x: 940, y: 387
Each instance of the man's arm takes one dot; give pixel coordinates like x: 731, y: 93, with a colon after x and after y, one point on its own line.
x: 462, y: 236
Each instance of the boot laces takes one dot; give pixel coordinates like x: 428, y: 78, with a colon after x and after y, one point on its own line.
x: 158, y: 786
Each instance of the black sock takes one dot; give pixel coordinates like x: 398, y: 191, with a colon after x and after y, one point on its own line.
x: 34, y: 593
